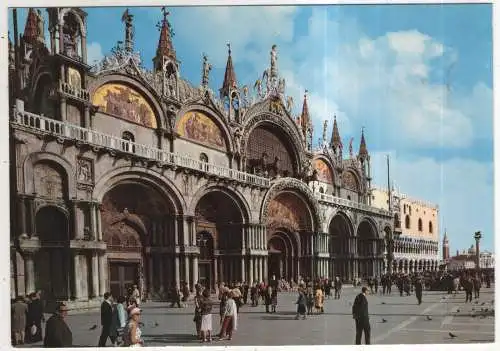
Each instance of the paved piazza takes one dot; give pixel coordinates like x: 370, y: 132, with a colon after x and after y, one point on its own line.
x: 406, y: 322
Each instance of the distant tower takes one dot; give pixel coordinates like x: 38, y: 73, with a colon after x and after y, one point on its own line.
x: 446, y: 247
x: 306, y: 123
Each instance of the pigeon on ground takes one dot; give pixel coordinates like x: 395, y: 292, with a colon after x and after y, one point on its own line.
x: 383, y: 303
x: 473, y: 309
x: 452, y: 335
x: 473, y: 315
x: 458, y: 310
x: 483, y: 303
x: 429, y: 318
x: 384, y: 320
x: 476, y: 302
x: 156, y: 324
x: 93, y: 327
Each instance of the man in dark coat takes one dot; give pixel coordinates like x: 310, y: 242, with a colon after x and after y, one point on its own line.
x: 106, y: 319
x: 418, y: 290
x: 476, y: 282
x: 35, y: 317
x: 361, y: 316
x: 57, y: 332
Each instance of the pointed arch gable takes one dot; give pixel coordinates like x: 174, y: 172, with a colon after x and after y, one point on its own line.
x: 149, y: 95
x: 212, y: 116
x: 348, y: 175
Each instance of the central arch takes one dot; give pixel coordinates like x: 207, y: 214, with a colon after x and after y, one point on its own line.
x: 341, y: 238
x: 289, y: 227
x: 219, y: 219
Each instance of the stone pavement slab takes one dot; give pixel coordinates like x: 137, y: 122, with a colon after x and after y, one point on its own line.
x: 394, y: 320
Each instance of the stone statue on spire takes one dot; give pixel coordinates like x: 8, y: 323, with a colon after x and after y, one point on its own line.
x: 127, y: 17
x: 323, y: 140
x: 40, y: 25
x: 207, y: 67
x: 274, y: 61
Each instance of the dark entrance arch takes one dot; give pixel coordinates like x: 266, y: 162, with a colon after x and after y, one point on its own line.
x: 368, y: 249
x: 137, y: 222
x: 282, y: 249
x: 53, y: 259
x: 205, y: 242
x: 219, y: 217
x: 340, y: 249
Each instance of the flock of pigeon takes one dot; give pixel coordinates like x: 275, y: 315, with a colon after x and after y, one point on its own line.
x: 482, y: 312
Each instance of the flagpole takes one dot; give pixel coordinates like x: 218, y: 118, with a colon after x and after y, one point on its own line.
x: 389, y: 184
x: 16, y: 52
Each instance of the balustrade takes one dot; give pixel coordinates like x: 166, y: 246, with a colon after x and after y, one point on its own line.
x: 69, y: 131
x: 349, y: 203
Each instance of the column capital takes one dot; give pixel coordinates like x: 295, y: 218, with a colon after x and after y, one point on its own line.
x: 29, y: 246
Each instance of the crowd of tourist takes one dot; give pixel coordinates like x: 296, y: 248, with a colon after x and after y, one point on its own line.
x: 121, y: 318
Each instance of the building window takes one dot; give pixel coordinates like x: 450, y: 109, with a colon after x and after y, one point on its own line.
x: 407, y: 222
x: 203, y: 157
x: 397, y: 223
x: 129, y: 139
x: 430, y: 227
x: 349, y: 197
x: 321, y: 190
x: 420, y: 226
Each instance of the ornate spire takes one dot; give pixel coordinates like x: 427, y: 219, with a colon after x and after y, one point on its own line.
x: 363, y: 151
x: 335, y: 141
x: 445, y: 239
x: 31, y: 28
x: 165, y: 46
x: 305, y: 120
x: 229, y: 76
x: 12, y: 61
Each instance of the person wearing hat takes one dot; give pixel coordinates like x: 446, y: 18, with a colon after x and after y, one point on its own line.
x: 19, y: 311
x: 57, y: 332
x: 132, y: 334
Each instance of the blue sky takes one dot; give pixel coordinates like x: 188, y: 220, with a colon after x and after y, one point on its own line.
x: 417, y: 77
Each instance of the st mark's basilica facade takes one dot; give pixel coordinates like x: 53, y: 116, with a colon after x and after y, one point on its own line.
x: 123, y: 175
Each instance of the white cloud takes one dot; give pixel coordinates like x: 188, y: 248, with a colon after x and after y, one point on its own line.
x: 94, y: 53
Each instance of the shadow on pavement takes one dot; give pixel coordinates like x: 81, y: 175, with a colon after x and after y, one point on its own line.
x: 170, y: 338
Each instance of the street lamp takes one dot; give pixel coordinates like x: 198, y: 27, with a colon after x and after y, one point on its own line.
x: 477, y: 237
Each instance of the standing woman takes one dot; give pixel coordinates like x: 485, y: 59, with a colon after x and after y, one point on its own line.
x: 301, y: 304
x: 230, y: 321
x: 197, y: 312
x: 319, y: 300
x: 132, y: 334
x: 206, y: 316
x: 222, y: 306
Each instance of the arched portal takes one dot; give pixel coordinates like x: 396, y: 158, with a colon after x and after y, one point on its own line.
x: 282, y: 249
x: 289, y: 235
x: 218, y: 215
x: 52, y: 266
x: 341, y: 239
x: 137, y: 221
x: 368, y: 249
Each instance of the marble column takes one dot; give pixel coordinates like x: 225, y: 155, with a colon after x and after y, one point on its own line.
x: 103, y: 273
x: 161, y: 272
x: 98, y: 222
x: 177, y: 271
x: 265, y: 263
x: 150, y: 286
x: 77, y: 234
x: 29, y: 273
x: 63, y: 110
x: 251, y: 276
x: 216, y: 271
x: 77, y: 276
x: 95, y: 274
x: 195, y: 271
x: 22, y: 215
x: 243, y: 269
x: 186, y: 269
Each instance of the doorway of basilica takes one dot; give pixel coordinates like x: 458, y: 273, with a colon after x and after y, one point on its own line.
x: 122, y: 277
x: 280, y: 256
x: 205, y: 242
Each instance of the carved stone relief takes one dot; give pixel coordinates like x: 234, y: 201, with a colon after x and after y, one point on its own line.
x: 48, y: 181
x: 85, y: 172
x: 349, y: 181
